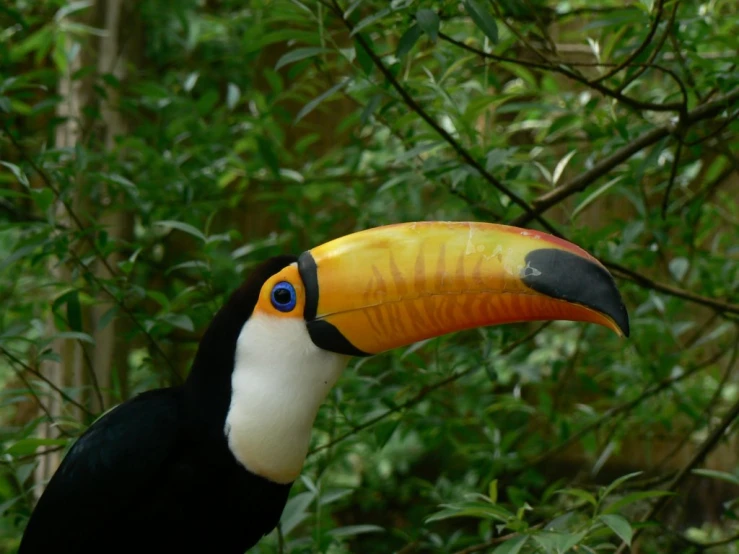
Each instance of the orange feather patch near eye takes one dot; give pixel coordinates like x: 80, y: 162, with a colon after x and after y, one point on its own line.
x: 266, y: 303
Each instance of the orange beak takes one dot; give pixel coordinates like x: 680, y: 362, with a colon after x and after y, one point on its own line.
x: 390, y: 286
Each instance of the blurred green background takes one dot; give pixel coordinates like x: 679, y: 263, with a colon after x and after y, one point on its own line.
x: 152, y: 152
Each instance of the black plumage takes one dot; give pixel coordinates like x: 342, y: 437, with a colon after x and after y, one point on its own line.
x: 155, y: 474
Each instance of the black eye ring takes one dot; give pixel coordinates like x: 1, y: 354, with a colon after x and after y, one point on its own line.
x: 284, y: 297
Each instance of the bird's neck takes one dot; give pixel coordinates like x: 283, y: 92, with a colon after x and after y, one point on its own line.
x: 279, y: 382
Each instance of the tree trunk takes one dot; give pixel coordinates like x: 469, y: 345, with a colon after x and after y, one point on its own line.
x: 111, y: 217
x: 69, y: 110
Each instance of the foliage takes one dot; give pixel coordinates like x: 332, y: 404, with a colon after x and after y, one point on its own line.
x: 249, y: 129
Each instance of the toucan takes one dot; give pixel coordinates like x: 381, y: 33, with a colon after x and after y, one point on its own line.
x: 207, y: 466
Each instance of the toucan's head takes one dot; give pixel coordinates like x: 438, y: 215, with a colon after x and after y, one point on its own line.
x: 380, y: 289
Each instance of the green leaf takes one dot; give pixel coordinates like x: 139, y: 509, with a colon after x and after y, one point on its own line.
x: 75, y: 335
x: 44, y: 198
x: 191, y: 264
x: 579, y: 493
x: 5, y: 506
x: 482, y: 19
x: 182, y: 226
x: 21, y: 252
x: 632, y: 498
x: 81, y: 29
x: 471, y: 509
x: 127, y: 185
x: 618, y: 482
x: 191, y: 81
x: 428, y: 21
x: 159, y: 297
x: 296, y: 511
x: 547, y: 541
x: 207, y: 102
x: 560, y: 167
x: 59, y: 53
x: 370, y: 108
x: 18, y: 172
x: 369, y: 20
x: 40, y: 42
x: 679, y: 267
x: 300, y: 54
x: 181, y: 321
x: 568, y: 540
x: 310, y: 106
x: 232, y: 96
x: 618, y: 525
x: 385, y: 430
x: 512, y: 546
x: 351, y: 530
x: 493, y: 491
x: 408, y: 40
x: 594, y: 196
x: 714, y: 474
x: 27, y: 446
x: 562, y: 122
x: 71, y: 8
x: 331, y: 496
x: 107, y: 318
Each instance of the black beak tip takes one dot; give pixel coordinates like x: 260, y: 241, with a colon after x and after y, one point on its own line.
x: 568, y: 276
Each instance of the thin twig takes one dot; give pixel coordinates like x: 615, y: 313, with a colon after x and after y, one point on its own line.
x: 37, y: 454
x: 425, y: 391
x: 708, y: 189
x: 449, y: 139
x: 707, y: 412
x: 673, y: 177
x: 621, y: 408
x: 668, y: 27
x: 28, y: 368
x: 559, y: 67
x: 646, y: 282
x: 40, y: 404
x: 637, y: 278
x: 99, y: 255
x: 579, y: 183
x: 705, y: 448
x: 631, y: 57
x: 493, y: 542
x: 586, y: 179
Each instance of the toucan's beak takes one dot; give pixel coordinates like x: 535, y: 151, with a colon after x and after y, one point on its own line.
x: 390, y: 286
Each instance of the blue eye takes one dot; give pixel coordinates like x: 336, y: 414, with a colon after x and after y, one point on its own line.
x: 283, y: 296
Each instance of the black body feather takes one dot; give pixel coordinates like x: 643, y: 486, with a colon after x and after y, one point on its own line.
x: 156, y: 474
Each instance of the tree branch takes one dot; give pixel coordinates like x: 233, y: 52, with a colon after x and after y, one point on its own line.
x: 702, y: 112
x: 425, y: 391
x: 646, y: 282
x: 492, y: 542
x: 99, y: 255
x: 673, y: 176
x: 449, y: 139
x: 631, y: 57
x: 668, y: 28
x: 560, y: 68
x: 28, y: 368
x: 584, y: 180
x: 705, y: 448
x: 617, y: 410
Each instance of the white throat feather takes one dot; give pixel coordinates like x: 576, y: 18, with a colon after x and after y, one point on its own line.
x: 279, y: 381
